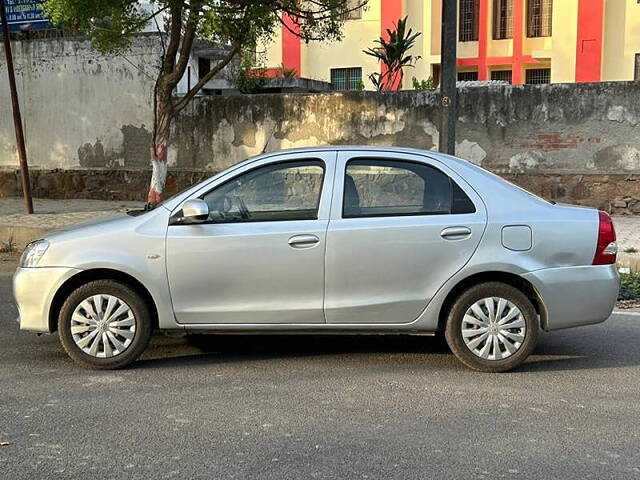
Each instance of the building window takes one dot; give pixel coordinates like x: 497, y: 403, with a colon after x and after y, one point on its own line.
x: 467, y: 76
x: 204, y: 66
x: 469, y: 20
x: 536, y: 76
x: 346, y: 78
x: 501, y: 75
x: 539, y: 18
x: 502, y: 19
x: 354, y: 10
x: 435, y: 74
x: 636, y: 74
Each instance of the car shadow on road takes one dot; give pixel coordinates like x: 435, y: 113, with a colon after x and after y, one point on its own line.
x: 610, y: 345
x: 202, y: 349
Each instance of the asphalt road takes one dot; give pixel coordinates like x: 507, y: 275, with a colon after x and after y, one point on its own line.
x: 322, y: 407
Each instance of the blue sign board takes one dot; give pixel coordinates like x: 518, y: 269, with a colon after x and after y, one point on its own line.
x: 25, y: 15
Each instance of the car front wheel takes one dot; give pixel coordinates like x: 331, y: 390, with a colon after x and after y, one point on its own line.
x: 104, y: 324
x: 492, y: 327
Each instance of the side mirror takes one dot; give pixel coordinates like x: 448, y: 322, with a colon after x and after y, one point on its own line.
x: 195, y: 210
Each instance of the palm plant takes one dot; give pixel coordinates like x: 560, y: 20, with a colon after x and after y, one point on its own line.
x: 392, y: 53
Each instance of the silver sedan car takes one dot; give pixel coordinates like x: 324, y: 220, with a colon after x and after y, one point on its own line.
x: 351, y: 240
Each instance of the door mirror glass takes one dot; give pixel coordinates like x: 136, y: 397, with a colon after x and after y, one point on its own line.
x: 195, y: 210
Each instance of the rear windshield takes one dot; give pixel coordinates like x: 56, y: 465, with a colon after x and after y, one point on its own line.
x: 526, y: 191
x: 517, y: 187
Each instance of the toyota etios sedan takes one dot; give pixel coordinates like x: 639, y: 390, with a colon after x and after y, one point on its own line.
x: 328, y: 240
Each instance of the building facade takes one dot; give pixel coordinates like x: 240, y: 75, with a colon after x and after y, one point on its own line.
x: 519, y: 41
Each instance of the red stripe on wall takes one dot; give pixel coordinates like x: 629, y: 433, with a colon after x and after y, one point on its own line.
x: 494, y: 61
x: 589, y: 44
x: 517, y: 60
x: 483, y: 39
x: 518, y: 33
x: 391, y: 12
x: 291, y: 45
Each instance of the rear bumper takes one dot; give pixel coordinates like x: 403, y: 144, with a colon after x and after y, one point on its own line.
x: 33, y: 290
x: 576, y: 296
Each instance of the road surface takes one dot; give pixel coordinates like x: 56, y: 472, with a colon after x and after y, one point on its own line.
x: 322, y: 407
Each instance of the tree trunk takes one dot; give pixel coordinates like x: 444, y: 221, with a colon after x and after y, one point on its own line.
x: 161, y: 131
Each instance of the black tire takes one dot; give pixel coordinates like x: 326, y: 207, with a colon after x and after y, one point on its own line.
x: 143, y: 324
x: 453, y: 332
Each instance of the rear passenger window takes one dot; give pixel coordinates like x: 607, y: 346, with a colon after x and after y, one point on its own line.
x: 376, y: 188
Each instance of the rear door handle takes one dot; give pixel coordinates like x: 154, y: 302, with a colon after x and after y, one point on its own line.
x: 303, y: 241
x: 455, y: 233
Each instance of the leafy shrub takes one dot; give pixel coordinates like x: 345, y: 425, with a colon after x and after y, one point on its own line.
x: 8, y: 247
x: 629, y: 286
x: 427, y: 84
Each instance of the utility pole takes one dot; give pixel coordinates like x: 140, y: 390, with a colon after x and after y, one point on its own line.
x: 448, y: 90
x: 17, y: 118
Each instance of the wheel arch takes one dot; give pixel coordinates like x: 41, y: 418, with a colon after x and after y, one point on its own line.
x: 86, y: 276
x: 508, y: 278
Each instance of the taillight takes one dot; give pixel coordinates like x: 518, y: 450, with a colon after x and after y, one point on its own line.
x: 607, y: 248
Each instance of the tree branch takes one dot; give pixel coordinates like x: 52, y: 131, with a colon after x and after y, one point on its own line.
x: 187, y: 43
x: 175, y: 32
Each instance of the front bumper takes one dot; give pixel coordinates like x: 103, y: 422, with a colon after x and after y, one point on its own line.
x: 33, y: 290
x: 576, y: 296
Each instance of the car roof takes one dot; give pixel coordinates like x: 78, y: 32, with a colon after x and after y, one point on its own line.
x: 367, y: 148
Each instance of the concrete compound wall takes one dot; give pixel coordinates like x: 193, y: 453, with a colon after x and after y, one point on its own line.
x: 88, y: 121
x: 568, y: 142
x: 80, y: 109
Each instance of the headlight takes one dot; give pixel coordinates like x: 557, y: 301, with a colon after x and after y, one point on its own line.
x: 33, y: 253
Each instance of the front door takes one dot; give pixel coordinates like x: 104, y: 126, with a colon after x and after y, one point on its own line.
x: 259, y: 258
x: 401, y: 225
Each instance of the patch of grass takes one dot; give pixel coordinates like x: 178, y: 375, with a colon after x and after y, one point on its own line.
x: 8, y: 247
x: 629, y: 286
x: 631, y: 250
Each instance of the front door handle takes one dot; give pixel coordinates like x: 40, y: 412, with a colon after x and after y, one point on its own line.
x: 455, y: 233
x: 303, y: 241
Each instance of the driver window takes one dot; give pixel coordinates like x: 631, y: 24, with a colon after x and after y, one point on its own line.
x: 277, y: 192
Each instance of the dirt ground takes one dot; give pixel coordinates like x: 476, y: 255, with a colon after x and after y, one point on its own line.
x: 9, y: 261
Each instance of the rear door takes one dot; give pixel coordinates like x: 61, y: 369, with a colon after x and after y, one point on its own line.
x: 401, y: 225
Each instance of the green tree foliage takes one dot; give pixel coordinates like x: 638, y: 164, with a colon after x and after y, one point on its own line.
x: 392, y: 53
x: 240, y: 25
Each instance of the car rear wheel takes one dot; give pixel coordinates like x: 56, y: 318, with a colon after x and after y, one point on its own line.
x: 104, y: 325
x: 492, y: 327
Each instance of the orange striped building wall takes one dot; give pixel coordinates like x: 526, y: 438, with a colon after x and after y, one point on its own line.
x: 520, y: 41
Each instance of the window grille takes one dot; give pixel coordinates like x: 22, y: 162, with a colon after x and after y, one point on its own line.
x: 504, y: 75
x: 346, y: 78
x: 469, y: 18
x: 502, y: 19
x: 467, y: 76
x: 539, y: 18
x: 354, y: 10
x: 536, y: 76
